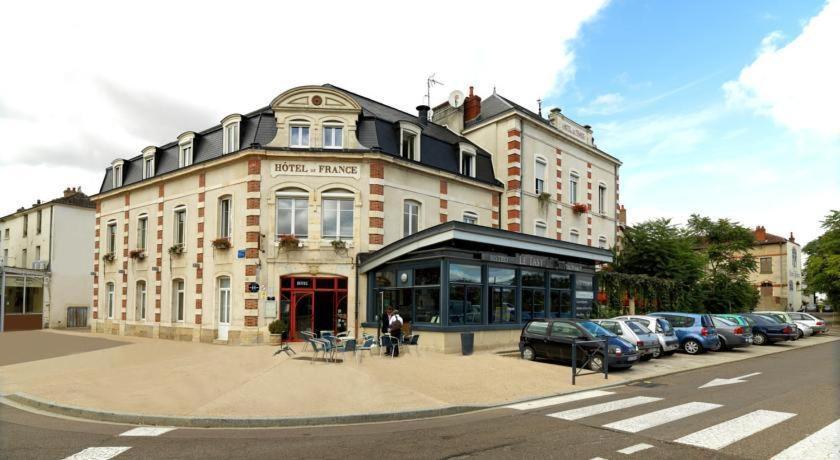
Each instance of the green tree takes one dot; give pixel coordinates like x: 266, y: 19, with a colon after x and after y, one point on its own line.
x: 660, y: 249
x: 822, y: 269
x: 726, y: 245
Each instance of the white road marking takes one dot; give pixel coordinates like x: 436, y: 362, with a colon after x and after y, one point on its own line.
x: 98, y: 453
x: 719, y: 382
x: 661, y: 417
x: 588, y: 411
x: 723, y: 434
x: 824, y: 444
x: 634, y: 449
x: 559, y: 400
x: 597, y: 458
x: 148, y: 431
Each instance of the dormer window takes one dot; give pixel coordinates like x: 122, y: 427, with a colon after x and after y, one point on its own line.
x: 467, y: 160
x: 299, y: 135
x: 148, y: 162
x: 333, y: 136
x: 409, y: 141
x: 185, y: 149
x: 230, y: 133
x: 117, y: 173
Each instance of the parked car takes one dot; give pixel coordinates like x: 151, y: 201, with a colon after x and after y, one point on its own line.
x: 784, y: 317
x: 552, y: 339
x: 695, y: 331
x: 767, y: 330
x: 646, y: 341
x: 816, y: 323
x: 731, y: 335
x: 735, y: 318
x: 668, y: 342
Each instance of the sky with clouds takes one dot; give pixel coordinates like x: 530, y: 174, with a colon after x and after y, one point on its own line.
x: 726, y: 109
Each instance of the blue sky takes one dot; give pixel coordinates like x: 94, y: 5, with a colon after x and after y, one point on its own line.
x: 642, y: 64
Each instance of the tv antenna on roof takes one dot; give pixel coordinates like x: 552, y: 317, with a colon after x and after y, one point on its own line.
x: 430, y: 81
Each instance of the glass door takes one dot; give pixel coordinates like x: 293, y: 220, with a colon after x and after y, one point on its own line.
x: 302, y: 303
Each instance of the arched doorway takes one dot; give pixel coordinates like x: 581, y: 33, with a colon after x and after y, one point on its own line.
x: 313, y: 304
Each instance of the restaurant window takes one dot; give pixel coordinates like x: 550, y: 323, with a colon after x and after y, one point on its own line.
x: 411, y: 216
x: 766, y: 265
x: 337, y: 223
x: 110, y: 300
x: 142, y: 230
x: 502, y: 291
x: 292, y: 213
x: 178, y: 301
x: 299, y: 135
x: 584, y: 296
x: 470, y: 218
x: 333, y: 138
x: 225, y: 218
x: 465, y: 294
x: 179, y: 237
x: 533, y: 294
x: 140, y: 304
x: 560, y: 295
x: 111, y: 237
x: 539, y: 175
x: 573, y: 188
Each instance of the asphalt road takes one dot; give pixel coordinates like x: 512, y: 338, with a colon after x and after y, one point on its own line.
x: 786, y: 398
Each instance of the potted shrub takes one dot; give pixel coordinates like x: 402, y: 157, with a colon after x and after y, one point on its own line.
x: 289, y: 242
x: 108, y: 257
x: 580, y: 208
x: 277, y: 331
x: 137, y: 254
x: 339, y: 245
x: 544, y: 198
x: 176, y: 250
x: 221, y: 243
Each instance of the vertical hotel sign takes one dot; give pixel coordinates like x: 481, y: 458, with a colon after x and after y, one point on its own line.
x: 307, y: 168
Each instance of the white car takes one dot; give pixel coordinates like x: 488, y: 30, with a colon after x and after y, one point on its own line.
x: 817, y: 324
x: 803, y: 329
x: 668, y: 341
x: 633, y: 332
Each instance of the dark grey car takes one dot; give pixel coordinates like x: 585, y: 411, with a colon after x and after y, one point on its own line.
x: 731, y: 335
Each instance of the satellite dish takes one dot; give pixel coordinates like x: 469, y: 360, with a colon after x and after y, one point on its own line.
x: 456, y: 99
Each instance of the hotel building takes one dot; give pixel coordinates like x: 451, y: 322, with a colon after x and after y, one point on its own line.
x: 325, y: 207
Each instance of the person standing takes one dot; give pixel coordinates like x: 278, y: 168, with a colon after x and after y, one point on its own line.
x: 392, y: 324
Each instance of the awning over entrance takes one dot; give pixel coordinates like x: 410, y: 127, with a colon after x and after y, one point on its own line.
x: 459, y: 233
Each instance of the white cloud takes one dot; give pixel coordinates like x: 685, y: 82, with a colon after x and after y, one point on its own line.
x: 92, y: 81
x: 605, y: 104
x: 796, y: 84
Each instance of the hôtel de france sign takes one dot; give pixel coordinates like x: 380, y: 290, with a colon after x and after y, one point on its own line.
x: 308, y: 168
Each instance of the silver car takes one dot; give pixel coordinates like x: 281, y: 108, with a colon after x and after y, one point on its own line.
x: 731, y: 335
x: 645, y: 340
x: 818, y: 325
x: 668, y: 341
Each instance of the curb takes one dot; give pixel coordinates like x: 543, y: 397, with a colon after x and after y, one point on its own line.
x: 230, y: 422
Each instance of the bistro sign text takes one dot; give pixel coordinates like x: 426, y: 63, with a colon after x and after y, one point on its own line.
x: 298, y: 168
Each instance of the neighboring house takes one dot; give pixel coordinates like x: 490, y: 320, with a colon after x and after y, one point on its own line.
x: 43, y: 272
x: 558, y: 183
x: 778, y: 277
x: 324, y: 208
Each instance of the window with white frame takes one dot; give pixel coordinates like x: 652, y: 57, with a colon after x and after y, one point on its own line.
x: 230, y: 133
x: 185, y: 155
x: 142, y: 231
x: 602, y: 242
x: 299, y: 135
x: 540, y: 229
x: 140, y: 302
x: 574, y: 236
x: 178, y: 300
x: 337, y: 215
x: 467, y: 162
x: 539, y: 175
x: 225, y: 217
x: 180, y: 227
x: 410, y: 141
x: 407, y: 149
x: 602, y: 198
x: 224, y: 299
x: 470, y: 218
x: 411, y: 217
x: 293, y: 213
x: 110, y: 300
x: 333, y: 136
x: 111, y: 237
x: 573, y: 188
x: 148, y: 167
x: 117, y: 173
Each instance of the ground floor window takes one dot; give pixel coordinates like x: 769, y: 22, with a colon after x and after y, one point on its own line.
x: 24, y: 295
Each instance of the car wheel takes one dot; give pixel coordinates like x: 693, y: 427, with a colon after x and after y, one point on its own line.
x: 799, y: 333
x: 597, y: 362
x: 760, y: 339
x: 692, y: 347
x: 529, y: 354
x: 658, y: 352
x: 646, y: 357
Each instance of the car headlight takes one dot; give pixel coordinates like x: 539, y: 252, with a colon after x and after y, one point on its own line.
x: 617, y: 350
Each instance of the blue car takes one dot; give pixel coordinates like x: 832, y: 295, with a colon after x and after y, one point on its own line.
x: 695, y: 331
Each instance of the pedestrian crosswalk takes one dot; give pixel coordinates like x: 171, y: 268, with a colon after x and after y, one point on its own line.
x: 823, y: 444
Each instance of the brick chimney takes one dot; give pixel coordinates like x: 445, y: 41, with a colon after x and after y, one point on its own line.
x: 622, y: 215
x: 760, y: 233
x: 792, y: 239
x: 472, y: 107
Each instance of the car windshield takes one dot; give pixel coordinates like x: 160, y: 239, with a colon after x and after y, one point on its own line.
x: 637, y: 328
x: 723, y: 322
x: 749, y: 320
x: 773, y: 319
x: 764, y: 320
x: 595, y: 329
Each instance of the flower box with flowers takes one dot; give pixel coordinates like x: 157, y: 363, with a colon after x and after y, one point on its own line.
x: 289, y: 242
x: 108, y: 257
x: 221, y: 243
x: 137, y: 254
x: 580, y: 208
x: 176, y: 250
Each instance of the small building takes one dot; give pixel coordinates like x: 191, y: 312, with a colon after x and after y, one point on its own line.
x: 778, y: 277
x: 321, y: 209
x: 44, y: 280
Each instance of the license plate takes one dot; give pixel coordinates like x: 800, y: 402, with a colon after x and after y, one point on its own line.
x: 749, y: 339
x: 632, y: 358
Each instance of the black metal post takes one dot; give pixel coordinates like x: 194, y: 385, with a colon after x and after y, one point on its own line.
x: 574, y: 360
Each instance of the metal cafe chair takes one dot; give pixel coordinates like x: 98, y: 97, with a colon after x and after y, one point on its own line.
x: 347, y: 346
x: 387, y: 340
x: 307, y: 336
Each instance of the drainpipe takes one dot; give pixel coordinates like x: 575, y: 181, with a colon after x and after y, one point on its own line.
x: 356, y: 313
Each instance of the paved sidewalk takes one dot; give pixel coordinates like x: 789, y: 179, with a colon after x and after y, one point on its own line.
x: 161, y: 377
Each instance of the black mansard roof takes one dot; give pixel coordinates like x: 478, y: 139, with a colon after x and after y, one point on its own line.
x: 377, y: 130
